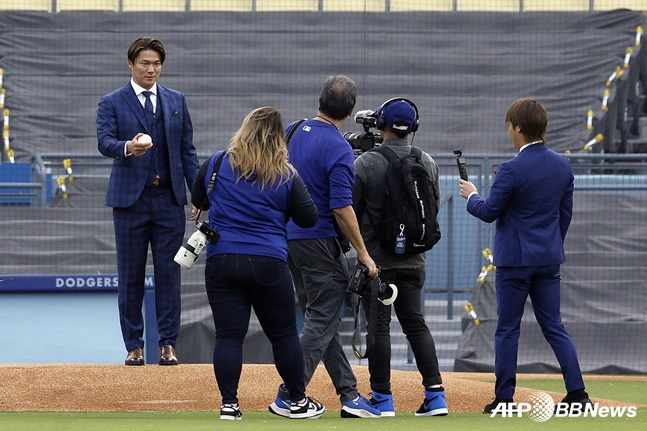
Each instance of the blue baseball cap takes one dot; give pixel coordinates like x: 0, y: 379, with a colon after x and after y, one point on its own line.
x: 399, y: 115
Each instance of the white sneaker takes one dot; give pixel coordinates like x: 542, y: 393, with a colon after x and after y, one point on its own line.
x: 230, y: 412
x: 308, y: 409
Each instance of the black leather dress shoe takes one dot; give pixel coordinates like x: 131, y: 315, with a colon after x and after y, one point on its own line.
x: 576, y: 400
x: 577, y: 397
x: 168, y: 355
x: 493, y: 405
x: 135, y: 357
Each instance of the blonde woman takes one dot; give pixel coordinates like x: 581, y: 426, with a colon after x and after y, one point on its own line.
x: 255, y: 193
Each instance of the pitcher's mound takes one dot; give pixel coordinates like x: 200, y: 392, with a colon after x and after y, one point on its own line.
x: 192, y: 387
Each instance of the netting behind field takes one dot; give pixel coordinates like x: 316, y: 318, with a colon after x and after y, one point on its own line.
x: 461, y: 65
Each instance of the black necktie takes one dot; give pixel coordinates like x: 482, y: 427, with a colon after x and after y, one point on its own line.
x: 148, y: 108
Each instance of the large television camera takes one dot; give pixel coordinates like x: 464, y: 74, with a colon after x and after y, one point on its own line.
x: 362, y: 142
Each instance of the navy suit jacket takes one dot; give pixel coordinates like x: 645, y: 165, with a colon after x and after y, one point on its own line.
x: 532, y: 202
x: 119, y: 118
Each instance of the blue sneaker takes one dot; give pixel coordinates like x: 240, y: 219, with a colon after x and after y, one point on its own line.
x: 384, y: 403
x: 280, y: 407
x: 360, y: 407
x: 434, y: 404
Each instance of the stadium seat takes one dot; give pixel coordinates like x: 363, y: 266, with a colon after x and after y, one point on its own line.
x: 417, y: 5
x: 287, y: 5
x: 556, y: 6
x: 222, y: 5
x: 153, y: 6
x: 87, y: 5
x: 354, y: 5
x: 27, y: 5
x: 488, y: 6
x: 637, y: 5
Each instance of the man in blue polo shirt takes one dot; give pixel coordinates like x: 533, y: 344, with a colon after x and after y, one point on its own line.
x: 319, y: 268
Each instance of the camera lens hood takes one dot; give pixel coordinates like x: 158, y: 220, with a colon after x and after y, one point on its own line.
x: 388, y: 289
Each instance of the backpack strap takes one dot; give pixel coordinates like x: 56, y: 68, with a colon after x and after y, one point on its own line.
x: 391, y: 155
x: 387, y: 152
x: 417, y: 153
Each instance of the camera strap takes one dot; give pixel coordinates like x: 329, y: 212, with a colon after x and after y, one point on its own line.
x: 214, y: 175
x: 372, y: 321
x: 294, y: 128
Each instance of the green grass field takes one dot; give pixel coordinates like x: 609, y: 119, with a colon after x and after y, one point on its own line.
x: 252, y: 421
x: 627, y: 391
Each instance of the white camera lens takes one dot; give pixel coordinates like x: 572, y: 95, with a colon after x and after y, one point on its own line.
x: 185, y: 258
x: 188, y: 253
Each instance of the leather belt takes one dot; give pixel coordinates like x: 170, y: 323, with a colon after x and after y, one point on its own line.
x: 156, y: 182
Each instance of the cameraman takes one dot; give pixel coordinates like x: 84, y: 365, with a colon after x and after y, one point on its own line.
x: 317, y: 263
x: 395, y: 119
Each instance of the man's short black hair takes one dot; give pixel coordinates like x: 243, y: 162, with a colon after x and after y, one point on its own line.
x: 146, y: 43
x: 338, y: 96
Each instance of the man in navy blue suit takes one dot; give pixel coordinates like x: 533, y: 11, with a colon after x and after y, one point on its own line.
x: 531, y: 200
x: 147, y: 192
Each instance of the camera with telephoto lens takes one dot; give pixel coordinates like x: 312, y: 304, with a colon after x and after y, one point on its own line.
x: 361, y: 284
x: 188, y: 253
x: 362, y: 142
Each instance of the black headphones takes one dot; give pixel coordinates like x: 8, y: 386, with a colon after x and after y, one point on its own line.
x: 380, y: 122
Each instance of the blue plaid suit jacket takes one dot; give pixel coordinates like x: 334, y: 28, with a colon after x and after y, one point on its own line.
x: 119, y: 118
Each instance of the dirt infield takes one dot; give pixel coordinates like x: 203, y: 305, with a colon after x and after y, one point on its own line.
x: 192, y: 387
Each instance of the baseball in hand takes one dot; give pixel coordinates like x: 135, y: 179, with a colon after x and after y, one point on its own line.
x: 144, y: 139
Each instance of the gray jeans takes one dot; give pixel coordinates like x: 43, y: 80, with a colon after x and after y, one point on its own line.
x: 320, y: 273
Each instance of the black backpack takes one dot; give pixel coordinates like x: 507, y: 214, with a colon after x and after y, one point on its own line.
x: 408, y: 223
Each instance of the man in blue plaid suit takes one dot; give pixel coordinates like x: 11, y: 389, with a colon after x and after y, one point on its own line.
x: 147, y: 192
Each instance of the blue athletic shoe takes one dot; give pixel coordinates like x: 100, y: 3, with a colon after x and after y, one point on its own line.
x: 280, y: 407
x: 360, y: 407
x: 433, y: 405
x: 384, y: 403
